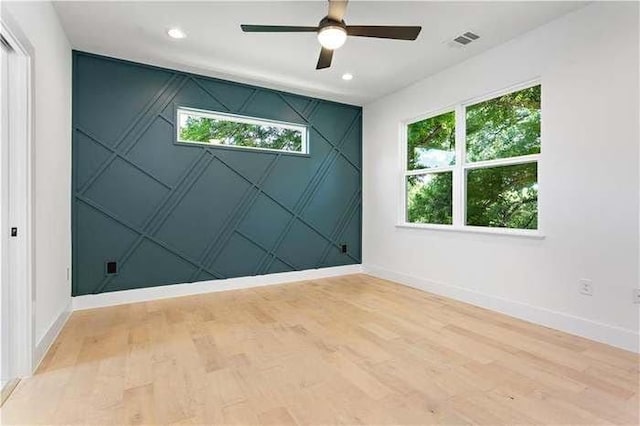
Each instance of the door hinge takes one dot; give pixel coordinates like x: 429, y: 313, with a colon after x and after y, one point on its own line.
x: 14, y: 232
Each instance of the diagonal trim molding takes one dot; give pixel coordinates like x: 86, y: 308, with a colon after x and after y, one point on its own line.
x: 170, y: 213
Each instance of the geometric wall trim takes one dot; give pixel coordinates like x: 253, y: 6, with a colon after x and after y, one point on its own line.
x: 168, y: 212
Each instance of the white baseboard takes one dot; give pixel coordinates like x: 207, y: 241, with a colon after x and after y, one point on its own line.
x: 42, y: 347
x: 176, y: 290
x: 605, y: 333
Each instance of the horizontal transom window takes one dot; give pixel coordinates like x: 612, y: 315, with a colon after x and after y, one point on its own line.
x: 221, y: 129
x: 475, y: 164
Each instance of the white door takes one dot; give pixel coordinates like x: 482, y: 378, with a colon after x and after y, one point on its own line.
x: 16, y: 267
x: 5, y: 361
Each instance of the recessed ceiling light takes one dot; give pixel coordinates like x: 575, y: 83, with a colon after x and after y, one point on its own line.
x: 176, y: 33
x: 347, y: 76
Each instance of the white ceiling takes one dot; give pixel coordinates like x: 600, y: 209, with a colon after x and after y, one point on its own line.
x: 216, y: 46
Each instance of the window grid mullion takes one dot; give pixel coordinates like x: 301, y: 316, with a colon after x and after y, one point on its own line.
x: 523, y: 159
x: 429, y: 171
x: 458, y: 175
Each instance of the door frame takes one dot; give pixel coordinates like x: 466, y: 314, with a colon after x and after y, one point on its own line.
x: 21, y: 201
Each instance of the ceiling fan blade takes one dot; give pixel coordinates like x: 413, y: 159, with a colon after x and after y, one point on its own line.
x: 276, y: 29
x: 324, y: 61
x: 381, y: 31
x: 337, y: 9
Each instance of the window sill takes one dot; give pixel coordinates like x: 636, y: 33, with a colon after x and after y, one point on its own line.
x: 242, y: 148
x: 520, y: 233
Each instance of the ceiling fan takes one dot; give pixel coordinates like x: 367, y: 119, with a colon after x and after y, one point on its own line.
x: 333, y: 32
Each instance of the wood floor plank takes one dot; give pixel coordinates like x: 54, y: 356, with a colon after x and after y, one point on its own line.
x: 346, y: 350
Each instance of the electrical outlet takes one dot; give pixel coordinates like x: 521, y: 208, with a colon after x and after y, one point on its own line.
x: 111, y: 267
x: 585, y: 287
x: 636, y: 295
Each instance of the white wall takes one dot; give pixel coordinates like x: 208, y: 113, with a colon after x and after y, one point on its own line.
x: 39, y: 22
x: 589, y: 182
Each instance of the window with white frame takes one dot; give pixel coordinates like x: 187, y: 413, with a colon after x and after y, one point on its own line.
x: 476, y: 164
x: 214, y: 128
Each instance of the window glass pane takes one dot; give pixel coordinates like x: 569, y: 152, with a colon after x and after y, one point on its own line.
x: 431, y: 142
x: 508, y: 126
x: 201, y: 127
x: 505, y: 196
x: 429, y: 198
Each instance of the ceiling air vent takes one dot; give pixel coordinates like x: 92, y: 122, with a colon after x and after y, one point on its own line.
x: 466, y: 38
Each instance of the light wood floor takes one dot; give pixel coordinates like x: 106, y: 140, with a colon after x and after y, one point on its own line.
x: 348, y: 350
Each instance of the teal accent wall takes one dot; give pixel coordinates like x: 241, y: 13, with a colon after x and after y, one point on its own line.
x: 175, y: 213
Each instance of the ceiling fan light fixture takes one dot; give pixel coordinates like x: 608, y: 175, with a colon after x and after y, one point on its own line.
x: 332, y: 32
x: 332, y: 36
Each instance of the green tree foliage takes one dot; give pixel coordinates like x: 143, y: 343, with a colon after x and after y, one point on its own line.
x: 505, y: 196
x: 214, y: 131
x: 436, y: 134
x: 429, y: 198
x: 508, y: 126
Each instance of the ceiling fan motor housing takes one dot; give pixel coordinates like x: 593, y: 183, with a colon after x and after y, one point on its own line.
x: 328, y: 22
